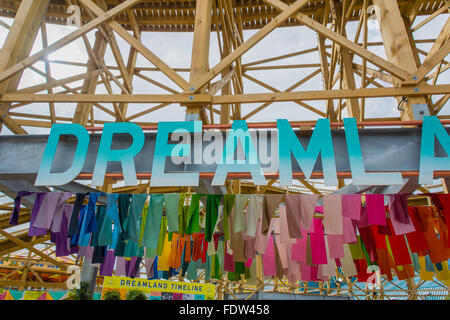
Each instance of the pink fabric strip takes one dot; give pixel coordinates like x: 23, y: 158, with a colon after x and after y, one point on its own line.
x: 332, y: 213
x: 351, y: 206
x: 262, y: 240
x: 309, y: 273
x: 318, y: 251
x: 268, y: 258
x: 335, y: 246
x: 349, y: 230
x: 282, y: 251
x: 363, y: 222
x: 248, y: 264
x: 376, y: 213
x: 307, y: 205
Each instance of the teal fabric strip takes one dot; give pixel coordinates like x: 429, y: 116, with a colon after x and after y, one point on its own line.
x: 153, y: 223
x: 132, y: 221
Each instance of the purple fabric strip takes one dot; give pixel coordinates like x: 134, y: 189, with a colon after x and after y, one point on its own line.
x: 107, y: 267
x: 149, y: 267
x: 34, y: 231
x: 14, y: 220
x: 376, y: 213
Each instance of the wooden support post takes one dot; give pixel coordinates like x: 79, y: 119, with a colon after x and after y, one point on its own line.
x: 17, y: 47
x: 399, y: 48
x: 200, y: 52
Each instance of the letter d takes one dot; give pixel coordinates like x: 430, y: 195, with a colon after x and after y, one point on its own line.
x: 45, y: 177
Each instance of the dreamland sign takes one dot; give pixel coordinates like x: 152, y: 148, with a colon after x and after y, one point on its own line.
x: 238, y: 150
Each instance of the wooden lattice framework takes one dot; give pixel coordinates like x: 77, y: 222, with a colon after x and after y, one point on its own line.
x: 350, y: 70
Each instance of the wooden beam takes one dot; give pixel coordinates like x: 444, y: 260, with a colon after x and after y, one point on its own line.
x: 102, y: 18
x: 17, y: 46
x: 398, y: 47
x: 343, y: 41
x: 247, y: 45
x: 149, y: 55
x: 239, y: 98
x: 32, y: 249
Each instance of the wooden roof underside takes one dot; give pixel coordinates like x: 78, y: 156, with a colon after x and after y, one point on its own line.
x: 178, y: 15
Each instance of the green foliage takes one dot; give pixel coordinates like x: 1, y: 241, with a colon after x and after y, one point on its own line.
x: 136, y: 294
x: 112, y: 295
x: 82, y: 293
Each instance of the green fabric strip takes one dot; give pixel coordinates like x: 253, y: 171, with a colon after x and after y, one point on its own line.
x: 212, y: 213
x: 193, y: 216
x: 172, y: 203
x: 162, y: 236
x: 228, y: 203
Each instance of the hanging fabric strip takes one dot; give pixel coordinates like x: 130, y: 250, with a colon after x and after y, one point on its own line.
x: 73, y: 223
x: 228, y: 204
x: 212, y: 214
x: 14, y: 219
x: 124, y: 205
x: 153, y: 223
x: 349, y: 230
x: 52, y: 203
x: 351, y: 206
x: 318, y: 251
x: 347, y: 264
x: 171, y: 202
x: 107, y: 267
x: 376, y: 213
x: 132, y: 221
x: 398, y: 212
x: 284, y: 227
x: 332, y: 212
x: 240, y: 204
x: 254, y: 213
x: 193, y: 219
x: 271, y: 203
x: 112, y: 211
x: 35, y: 231
x: 268, y: 258
x: 91, y: 224
x: 335, y: 246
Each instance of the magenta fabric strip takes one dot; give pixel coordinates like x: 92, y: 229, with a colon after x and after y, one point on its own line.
x: 363, y: 222
x: 248, y: 264
x: 335, y: 246
x: 376, y: 213
x: 318, y: 251
x: 351, y: 206
x: 332, y: 214
x: 398, y: 212
x: 268, y: 258
x: 349, y: 230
